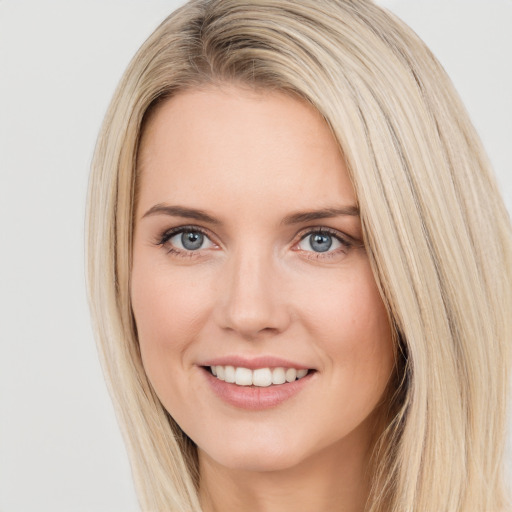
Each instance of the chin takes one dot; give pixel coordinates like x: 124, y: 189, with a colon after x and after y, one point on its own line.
x: 264, y: 456
x: 257, y: 462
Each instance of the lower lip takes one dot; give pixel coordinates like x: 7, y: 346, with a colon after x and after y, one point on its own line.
x: 256, y: 398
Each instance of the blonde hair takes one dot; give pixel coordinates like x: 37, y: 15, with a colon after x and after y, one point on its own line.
x: 436, y: 231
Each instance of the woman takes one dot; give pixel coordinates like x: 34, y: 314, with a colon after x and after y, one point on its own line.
x: 300, y: 267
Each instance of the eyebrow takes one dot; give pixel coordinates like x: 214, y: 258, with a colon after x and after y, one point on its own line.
x: 324, y: 213
x: 180, y: 211
x: 294, y: 218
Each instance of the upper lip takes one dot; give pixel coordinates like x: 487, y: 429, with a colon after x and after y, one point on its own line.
x: 254, y: 363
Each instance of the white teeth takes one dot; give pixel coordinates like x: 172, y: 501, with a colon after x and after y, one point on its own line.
x: 229, y: 374
x: 291, y: 374
x: 261, y: 377
x: 243, y: 376
x: 278, y: 376
x: 301, y: 373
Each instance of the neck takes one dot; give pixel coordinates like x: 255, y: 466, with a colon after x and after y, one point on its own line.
x: 336, y: 478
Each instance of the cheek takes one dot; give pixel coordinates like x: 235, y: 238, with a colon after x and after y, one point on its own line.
x: 163, y: 298
x: 170, y: 310
x: 347, y: 306
x: 349, y: 322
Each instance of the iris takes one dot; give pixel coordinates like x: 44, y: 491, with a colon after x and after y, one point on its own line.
x: 192, y: 240
x: 320, y: 242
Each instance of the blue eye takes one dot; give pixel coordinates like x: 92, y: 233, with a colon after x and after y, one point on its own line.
x: 320, y: 241
x: 189, y: 240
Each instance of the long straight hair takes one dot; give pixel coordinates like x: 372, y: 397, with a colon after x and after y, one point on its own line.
x: 435, y: 228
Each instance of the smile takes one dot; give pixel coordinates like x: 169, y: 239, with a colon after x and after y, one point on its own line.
x: 257, y: 383
x: 260, y: 377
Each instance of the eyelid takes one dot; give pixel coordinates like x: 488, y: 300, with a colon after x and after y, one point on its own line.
x: 341, y: 236
x: 346, y: 242
x: 167, y: 234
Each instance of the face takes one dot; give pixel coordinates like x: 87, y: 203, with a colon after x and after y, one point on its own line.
x: 248, y: 263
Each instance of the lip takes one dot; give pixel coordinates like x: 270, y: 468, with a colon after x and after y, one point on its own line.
x: 254, y: 363
x: 254, y: 398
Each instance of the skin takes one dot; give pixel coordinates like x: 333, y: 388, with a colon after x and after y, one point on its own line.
x: 252, y: 159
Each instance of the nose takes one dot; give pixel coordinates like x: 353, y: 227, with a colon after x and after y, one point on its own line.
x: 252, y: 298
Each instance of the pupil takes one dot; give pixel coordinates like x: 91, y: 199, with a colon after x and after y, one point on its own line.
x: 321, y: 243
x: 192, y: 240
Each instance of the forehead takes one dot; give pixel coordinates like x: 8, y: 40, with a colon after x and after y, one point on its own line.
x: 240, y: 144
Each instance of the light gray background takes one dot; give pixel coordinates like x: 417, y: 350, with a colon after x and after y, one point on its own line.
x: 60, y: 447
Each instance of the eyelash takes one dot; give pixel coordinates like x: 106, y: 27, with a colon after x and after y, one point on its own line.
x: 346, y: 242
x: 167, y: 235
